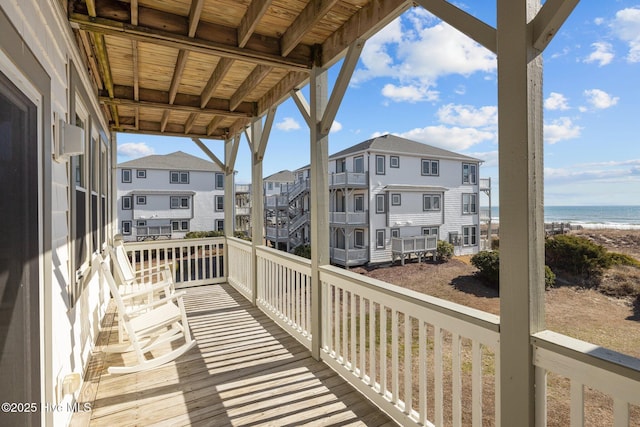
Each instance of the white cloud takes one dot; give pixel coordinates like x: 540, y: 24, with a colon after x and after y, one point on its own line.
x: 408, y: 93
x: 287, y: 124
x: 418, y: 56
x: 490, y: 158
x: 600, y: 99
x: 626, y: 26
x: 468, y: 116
x: 560, y: 130
x: 134, y: 150
x: 556, y: 101
x: 602, y: 54
x: 450, y: 138
x: 336, y: 126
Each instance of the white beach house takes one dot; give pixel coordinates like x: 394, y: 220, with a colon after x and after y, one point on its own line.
x: 386, y: 195
x: 168, y: 196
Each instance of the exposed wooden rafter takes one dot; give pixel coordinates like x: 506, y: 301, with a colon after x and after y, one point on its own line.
x: 216, y: 78
x: 255, y: 11
x: 256, y: 76
x: 310, y: 15
x: 263, y: 51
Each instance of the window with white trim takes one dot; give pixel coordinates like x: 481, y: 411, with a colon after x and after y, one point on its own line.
x: 179, y: 202
x: 429, y: 231
x: 219, y: 224
x: 469, y: 203
x: 141, y: 223
x: 219, y: 181
x: 341, y: 165
x: 126, y: 175
x: 396, y: 199
x: 380, y: 203
x: 430, y: 167
x: 126, y: 227
x: 358, y: 164
x: 141, y: 173
x: 179, y: 177
x: 358, y: 203
x: 127, y: 201
x: 469, y: 173
x: 358, y: 238
x: 469, y: 235
x: 380, y: 165
x: 181, y: 225
x: 340, y: 240
x: 380, y: 238
x: 395, y: 232
x: 431, y: 202
x: 219, y: 203
x: 141, y: 200
x: 394, y: 161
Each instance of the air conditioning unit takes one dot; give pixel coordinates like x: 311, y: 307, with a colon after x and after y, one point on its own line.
x: 70, y: 141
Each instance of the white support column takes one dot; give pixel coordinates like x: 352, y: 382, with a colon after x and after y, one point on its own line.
x: 257, y: 203
x: 230, y: 152
x: 521, y: 208
x: 319, y: 193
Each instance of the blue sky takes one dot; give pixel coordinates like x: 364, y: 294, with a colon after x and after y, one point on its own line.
x: 421, y: 79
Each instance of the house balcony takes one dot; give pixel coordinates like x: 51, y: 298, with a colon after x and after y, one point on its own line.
x: 349, y: 257
x: 348, y: 179
x: 348, y: 218
x: 416, y: 358
x: 243, y: 210
x: 277, y: 233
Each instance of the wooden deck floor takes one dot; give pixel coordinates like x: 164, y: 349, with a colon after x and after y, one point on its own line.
x: 245, y: 371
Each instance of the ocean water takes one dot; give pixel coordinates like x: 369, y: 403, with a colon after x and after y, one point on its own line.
x: 620, y: 217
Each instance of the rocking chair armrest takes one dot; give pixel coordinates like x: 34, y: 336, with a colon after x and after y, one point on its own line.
x: 158, y: 302
x: 156, y: 287
x: 163, y: 270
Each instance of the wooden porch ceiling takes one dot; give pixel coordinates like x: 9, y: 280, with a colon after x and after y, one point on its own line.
x: 204, y: 68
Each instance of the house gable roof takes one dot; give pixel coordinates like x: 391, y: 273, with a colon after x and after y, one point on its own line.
x: 392, y: 144
x: 282, y: 176
x: 173, y: 161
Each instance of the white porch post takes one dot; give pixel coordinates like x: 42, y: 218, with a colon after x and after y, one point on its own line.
x: 319, y: 191
x: 230, y: 153
x: 521, y: 207
x: 257, y: 203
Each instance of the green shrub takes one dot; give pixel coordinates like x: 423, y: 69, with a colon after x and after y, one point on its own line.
x: 488, y: 265
x: 623, y: 259
x: 549, y: 277
x: 241, y: 235
x: 444, y: 252
x: 303, y: 251
x: 576, y: 255
x: 495, y: 243
x: 203, y: 234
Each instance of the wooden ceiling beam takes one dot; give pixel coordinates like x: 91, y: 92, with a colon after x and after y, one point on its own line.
x: 257, y: 75
x: 313, y: 12
x: 181, y: 62
x: 165, y: 119
x: 190, y: 121
x: 224, y: 65
x: 194, y: 16
x: 250, y: 20
x: 210, y: 39
x: 91, y: 58
x: 134, y: 12
x: 173, y: 107
x: 213, y: 125
x: 171, y: 129
x: 183, y: 102
x: 281, y: 90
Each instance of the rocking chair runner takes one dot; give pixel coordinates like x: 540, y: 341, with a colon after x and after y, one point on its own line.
x: 162, y: 320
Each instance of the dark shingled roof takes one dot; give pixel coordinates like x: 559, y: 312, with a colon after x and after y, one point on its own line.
x: 172, y: 161
x: 282, y: 176
x: 394, y: 144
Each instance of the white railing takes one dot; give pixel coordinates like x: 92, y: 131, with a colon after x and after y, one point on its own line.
x: 485, y: 183
x: 243, y: 188
x: 152, y: 232
x: 591, y: 370
x: 284, y: 291
x: 275, y: 201
x: 277, y: 233
x: 402, y: 349
x: 485, y: 214
x: 349, y: 257
x: 299, y: 222
x: 193, y: 261
x: 243, y: 210
x: 348, y: 178
x: 351, y: 218
x: 240, y: 273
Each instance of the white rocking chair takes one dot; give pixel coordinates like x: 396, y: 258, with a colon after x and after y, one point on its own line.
x: 162, y: 320
x: 143, y: 287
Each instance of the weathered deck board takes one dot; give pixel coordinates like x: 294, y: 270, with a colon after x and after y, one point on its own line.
x: 245, y: 371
